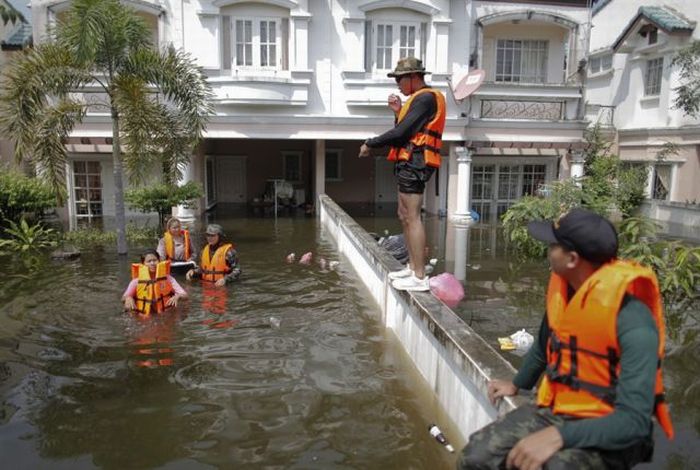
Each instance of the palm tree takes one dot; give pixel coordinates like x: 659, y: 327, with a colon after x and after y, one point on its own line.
x: 159, y: 101
x: 9, y: 14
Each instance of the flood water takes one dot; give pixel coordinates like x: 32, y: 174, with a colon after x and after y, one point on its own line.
x: 215, y: 383
x: 504, y: 295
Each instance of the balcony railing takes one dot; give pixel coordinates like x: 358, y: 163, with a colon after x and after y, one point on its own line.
x: 532, y: 102
x: 519, y: 109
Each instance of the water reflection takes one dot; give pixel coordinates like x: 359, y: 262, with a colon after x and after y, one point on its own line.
x: 213, y: 383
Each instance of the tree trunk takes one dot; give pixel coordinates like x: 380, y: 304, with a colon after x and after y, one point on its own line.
x: 119, y: 211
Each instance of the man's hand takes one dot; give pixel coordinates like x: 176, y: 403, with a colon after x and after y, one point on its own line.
x: 394, y: 102
x: 531, y: 452
x: 189, y: 274
x: 220, y: 283
x: 501, y: 388
x: 364, y: 151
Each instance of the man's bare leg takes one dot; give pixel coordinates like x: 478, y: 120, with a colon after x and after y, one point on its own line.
x: 413, y: 231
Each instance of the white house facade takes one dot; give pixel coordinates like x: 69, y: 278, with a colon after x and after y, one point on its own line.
x: 630, y: 87
x: 300, y: 84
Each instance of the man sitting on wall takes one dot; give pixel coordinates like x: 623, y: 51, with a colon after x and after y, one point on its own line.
x: 600, y: 348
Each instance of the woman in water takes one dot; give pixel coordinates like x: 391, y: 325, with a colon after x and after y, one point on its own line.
x: 152, y: 289
x: 175, y: 244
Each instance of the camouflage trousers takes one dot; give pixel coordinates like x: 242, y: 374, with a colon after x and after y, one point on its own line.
x: 489, y: 447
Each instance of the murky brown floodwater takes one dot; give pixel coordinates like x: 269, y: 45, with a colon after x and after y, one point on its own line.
x: 213, y: 384
x: 504, y: 295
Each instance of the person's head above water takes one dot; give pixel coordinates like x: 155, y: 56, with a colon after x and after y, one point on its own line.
x: 214, y: 233
x: 150, y: 258
x: 174, y: 226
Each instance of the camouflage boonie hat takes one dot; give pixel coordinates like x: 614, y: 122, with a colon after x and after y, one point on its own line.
x: 408, y: 65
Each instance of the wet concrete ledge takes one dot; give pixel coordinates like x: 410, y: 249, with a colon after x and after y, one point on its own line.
x: 455, y: 361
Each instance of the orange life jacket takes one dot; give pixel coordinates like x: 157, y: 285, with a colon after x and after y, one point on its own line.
x: 152, y: 293
x: 214, y: 267
x: 583, y: 354
x: 429, y: 138
x: 170, y: 245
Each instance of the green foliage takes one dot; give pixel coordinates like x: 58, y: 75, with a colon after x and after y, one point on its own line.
x: 688, y: 93
x: 159, y: 100
x: 91, y: 236
x: 21, y: 195
x: 24, y: 238
x: 563, y: 196
x: 610, y: 185
x: 677, y: 267
x: 163, y: 197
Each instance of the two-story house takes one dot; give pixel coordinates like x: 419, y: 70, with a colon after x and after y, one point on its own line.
x: 300, y: 84
x: 630, y: 89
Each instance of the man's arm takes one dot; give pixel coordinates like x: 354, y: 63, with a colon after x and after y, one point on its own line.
x: 232, y: 263
x: 422, y: 109
x: 634, y: 401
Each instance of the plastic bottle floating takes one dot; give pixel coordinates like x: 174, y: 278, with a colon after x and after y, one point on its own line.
x: 440, y: 437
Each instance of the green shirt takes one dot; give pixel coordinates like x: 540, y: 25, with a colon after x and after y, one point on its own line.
x: 630, y: 421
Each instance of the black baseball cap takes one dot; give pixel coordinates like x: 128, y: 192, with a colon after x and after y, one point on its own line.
x: 590, y: 235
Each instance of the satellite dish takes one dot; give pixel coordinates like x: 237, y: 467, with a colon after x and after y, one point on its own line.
x: 468, y: 84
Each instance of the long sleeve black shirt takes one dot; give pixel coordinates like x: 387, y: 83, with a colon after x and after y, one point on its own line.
x: 422, y: 110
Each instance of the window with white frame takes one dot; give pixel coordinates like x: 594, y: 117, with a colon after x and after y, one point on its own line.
x: 395, y: 41
x: 600, y: 63
x: 87, y: 188
x: 333, y: 168
x: 521, y: 61
x: 652, y: 77
x: 292, y: 166
x: 257, y: 43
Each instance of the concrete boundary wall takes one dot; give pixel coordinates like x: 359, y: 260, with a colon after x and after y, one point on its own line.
x: 455, y: 362
x: 678, y: 219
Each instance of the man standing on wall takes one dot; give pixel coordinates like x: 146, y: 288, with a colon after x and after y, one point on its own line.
x: 415, y: 143
x: 600, y: 349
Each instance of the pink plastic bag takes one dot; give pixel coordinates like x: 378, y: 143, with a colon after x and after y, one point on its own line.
x: 447, y: 288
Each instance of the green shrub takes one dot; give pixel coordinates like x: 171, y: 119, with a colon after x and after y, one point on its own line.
x: 22, y: 196
x: 677, y: 267
x: 90, y: 236
x: 163, y: 197
x: 24, y: 238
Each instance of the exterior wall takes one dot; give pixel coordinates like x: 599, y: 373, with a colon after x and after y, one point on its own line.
x: 328, y: 88
x: 454, y: 361
x: 644, y: 123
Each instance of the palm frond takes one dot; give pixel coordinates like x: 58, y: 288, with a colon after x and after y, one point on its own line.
x: 27, y: 84
x: 182, y: 82
x: 140, y: 119
x: 50, y: 153
x: 9, y: 15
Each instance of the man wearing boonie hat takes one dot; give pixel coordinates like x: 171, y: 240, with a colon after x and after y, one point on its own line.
x: 218, y: 262
x: 415, y: 143
x: 600, y: 348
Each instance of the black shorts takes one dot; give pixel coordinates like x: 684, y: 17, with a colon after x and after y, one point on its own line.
x: 412, y: 175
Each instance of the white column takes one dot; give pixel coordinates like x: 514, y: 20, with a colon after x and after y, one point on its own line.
x: 464, y: 170
x: 577, y: 160
x: 319, y: 169
x: 188, y: 174
x: 461, y: 240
